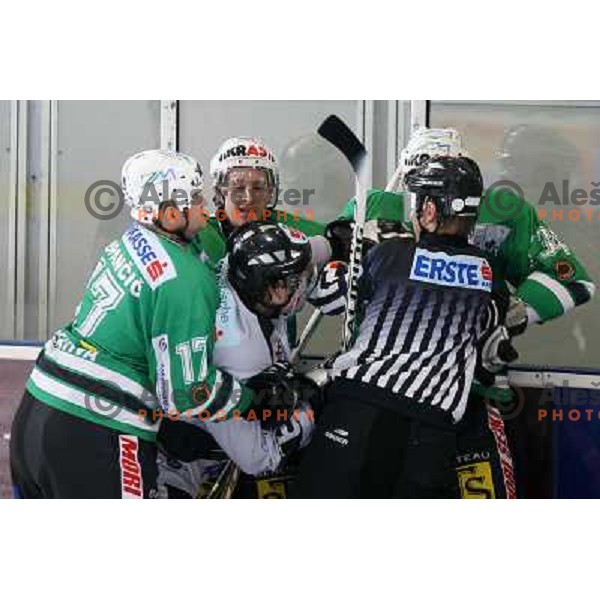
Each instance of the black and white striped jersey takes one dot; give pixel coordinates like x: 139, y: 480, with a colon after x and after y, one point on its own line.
x: 425, y: 306
x: 331, y: 289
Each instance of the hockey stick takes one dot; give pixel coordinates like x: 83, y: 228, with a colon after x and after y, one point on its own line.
x: 337, y: 133
x: 395, y: 180
x: 307, y: 333
x: 226, y: 482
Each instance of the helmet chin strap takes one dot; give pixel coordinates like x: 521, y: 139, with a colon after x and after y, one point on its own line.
x: 178, y: 233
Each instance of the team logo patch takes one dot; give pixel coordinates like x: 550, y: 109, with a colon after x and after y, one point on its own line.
x: 132, y: 485
x: 149, y: 256
x: 564, y: 270
x: 201, y: 393
x: 476, y: 481
x: 439, y: 268
x: 295, y: 235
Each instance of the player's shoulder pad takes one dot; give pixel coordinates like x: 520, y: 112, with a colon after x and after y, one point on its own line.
x: 150, y: 255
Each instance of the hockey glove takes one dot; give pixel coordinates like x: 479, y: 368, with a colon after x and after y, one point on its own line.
x: 378, y: 231
x: 495, y: 347
x: 279, y: 388
x: 339, y: 235
x: 516, y: 316
x: 295, y: 433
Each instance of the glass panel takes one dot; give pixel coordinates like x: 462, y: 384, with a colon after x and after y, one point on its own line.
x: 289, y: 128
x: 94, y: 139
x: 6, y: 269
x: 539, y: 145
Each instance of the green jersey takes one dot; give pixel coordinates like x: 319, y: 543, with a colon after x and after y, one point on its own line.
x: 522, y: 250
x: 211, y: 242
x: 141, y: 343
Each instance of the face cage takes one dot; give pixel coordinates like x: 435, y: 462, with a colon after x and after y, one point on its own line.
x: 300, y: 286
x: 308, y: 281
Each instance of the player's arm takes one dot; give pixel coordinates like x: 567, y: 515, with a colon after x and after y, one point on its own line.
x: 330, y: 291
x: 180, y: 356
x: 210, y: 243
x: 381, y: 206
x: 556, y: 281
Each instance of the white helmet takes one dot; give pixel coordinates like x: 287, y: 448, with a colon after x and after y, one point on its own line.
x: 244, y: 152
x: 152, y: 176
x: 425, y: 143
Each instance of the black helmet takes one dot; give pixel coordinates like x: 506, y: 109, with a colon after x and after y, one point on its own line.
x: 262, y: 253
x: 454, y: 183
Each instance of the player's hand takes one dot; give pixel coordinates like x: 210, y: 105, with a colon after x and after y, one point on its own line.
x: 378, y: 231
x: 495, y: 355
x: 339, y: 235
x: 516, y: 319
x: 279, y: 388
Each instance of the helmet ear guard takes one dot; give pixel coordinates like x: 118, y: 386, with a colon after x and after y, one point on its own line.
x: 454, y: 184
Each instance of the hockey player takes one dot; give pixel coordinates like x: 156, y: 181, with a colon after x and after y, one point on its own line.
x: 140, y: 345
x: 269, y: 272
x: 389, y: 421
x: 545, y: 276
x: 245, y: 176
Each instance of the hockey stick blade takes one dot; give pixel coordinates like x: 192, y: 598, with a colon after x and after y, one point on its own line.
x: 337, y: 133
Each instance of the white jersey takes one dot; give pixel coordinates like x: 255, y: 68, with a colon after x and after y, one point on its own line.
x: 243, y: 348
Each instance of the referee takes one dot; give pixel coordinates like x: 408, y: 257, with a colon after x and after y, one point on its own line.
x: 388, y: 428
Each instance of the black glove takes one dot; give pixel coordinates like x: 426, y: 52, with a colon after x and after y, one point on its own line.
x: 278, y: 388
x: 496, y: 353
x: 495, y: 349
x: 339, y: 235
x: 377, y: 231
x: 516, y: 319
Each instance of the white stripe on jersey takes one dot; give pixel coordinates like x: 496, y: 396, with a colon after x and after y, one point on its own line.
x: 562, y: 295
x: 67, y: 393
x: 96, y: 371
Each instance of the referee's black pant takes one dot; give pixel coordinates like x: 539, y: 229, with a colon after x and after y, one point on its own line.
x: 360, y: 450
